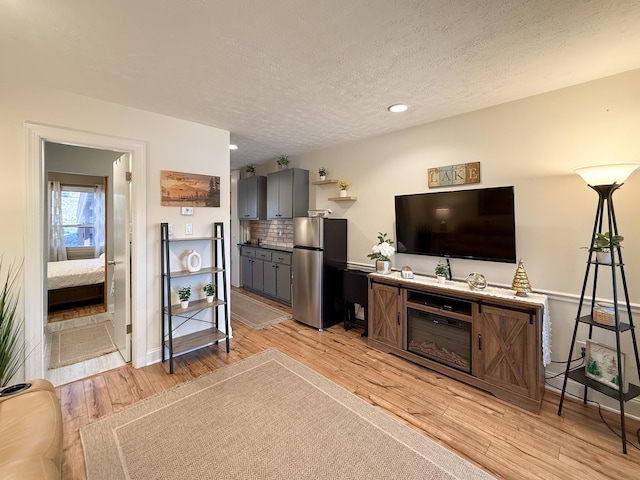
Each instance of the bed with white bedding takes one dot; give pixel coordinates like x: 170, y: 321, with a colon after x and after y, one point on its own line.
x: 74, y: 282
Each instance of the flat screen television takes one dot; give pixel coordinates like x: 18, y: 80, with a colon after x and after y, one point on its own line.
x: 477, y: 224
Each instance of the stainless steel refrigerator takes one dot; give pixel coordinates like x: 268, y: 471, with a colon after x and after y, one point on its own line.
x: 319, y: 258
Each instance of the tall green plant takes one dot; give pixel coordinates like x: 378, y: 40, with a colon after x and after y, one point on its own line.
x: 12, y: 346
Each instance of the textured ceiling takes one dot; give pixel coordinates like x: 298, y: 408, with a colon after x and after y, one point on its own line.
x: 292, y: 76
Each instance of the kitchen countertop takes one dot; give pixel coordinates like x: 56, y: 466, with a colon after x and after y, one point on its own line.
x: 264, y: 246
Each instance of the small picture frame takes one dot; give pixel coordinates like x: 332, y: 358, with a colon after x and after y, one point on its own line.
x: 602, y: 365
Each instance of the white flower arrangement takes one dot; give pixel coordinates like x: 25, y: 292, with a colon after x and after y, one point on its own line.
x: 384, y: 249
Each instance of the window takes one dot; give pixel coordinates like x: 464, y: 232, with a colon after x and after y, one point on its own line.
x: 78, y: 205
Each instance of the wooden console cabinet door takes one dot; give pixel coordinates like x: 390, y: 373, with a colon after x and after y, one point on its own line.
x: 508, y: 350
x: 384, y: 315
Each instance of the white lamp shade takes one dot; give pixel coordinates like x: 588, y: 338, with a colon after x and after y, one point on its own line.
x: 606, y: 174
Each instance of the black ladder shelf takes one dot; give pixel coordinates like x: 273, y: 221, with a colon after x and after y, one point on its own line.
x: 617, y: 267
x: 174, y: 316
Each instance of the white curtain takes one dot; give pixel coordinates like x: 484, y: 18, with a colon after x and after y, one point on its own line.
x: 98, y: 218
x: 57, y: 250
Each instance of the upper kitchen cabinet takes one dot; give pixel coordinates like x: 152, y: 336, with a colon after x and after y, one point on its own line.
x: 287, y: 194
x: 252, y: 198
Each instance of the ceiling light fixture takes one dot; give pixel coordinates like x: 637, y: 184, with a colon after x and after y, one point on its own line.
x: 398, y: 108
x: 233, y: 147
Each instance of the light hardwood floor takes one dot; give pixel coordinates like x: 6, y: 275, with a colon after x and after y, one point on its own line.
x: 504, y: 440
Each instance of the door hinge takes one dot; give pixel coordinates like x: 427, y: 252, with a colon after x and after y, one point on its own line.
x: 129, y: 329
x: 128, y: 176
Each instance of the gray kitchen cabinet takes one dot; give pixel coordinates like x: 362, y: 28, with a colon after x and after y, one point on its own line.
x: 287, y: 193
x: 277, y: 276
x: 252, y: 198
x: 267, y: 272
x: 252, y: 269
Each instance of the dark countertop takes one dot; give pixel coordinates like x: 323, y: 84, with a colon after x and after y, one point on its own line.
x: 264, y: 246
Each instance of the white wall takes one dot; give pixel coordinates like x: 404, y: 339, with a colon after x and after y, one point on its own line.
x: 533, y: 144
x: 172, y: 144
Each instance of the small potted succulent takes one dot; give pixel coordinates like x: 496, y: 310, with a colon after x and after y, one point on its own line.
x: 184, y: 294
x: 323, y: 173
x: 442, y: 272
x: 343, y: 184
x: 283, y: 162
x: 209, y: 291
x: 602, y: 245
x: 250, y: 170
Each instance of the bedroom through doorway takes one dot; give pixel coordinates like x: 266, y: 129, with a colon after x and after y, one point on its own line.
x: 86, y: 311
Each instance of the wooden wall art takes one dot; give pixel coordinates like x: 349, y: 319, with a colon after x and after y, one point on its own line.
x: 189, y: 189
x: 460, y: 174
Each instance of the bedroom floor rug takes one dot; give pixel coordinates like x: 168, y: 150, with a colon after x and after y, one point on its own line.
x: 264, y: 417
x: 253, y: 313
x: 81, y: 343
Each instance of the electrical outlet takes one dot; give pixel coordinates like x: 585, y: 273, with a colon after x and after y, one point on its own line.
x: 170, y: 229
x: 580, y: 349
x: 188, y: 229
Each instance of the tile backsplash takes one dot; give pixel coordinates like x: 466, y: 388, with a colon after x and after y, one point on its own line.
x: 272, y: 232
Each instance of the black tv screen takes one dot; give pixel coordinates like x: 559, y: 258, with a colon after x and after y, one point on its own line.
x: 475, y: 224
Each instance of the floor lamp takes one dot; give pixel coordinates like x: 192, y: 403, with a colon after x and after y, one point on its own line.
x: 605, y: 180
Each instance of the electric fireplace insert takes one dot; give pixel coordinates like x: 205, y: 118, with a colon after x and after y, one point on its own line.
x: 441, y: 339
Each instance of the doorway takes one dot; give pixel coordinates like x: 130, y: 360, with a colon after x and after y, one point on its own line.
x: 88, y: 214
x: 36, y: 236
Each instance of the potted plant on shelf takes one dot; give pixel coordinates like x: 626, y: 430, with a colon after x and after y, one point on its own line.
x: 323, y: 173
x: 209, y: 291
x: 343, y: 184
x: 283, y: 162
x: 442, y: 272
x: 381, y: 253
x: 184, y: 293
x: 602, y: 245
x: 250, y: 170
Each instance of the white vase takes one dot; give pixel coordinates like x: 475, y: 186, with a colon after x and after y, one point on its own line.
x: 343, y: 193
x: 322, y: 178
x: 441, y: 279
x: 209, y: 298
x: 194, y: 262
x: 184, y: 304
x: 604, y: 257
x: 383, y: 266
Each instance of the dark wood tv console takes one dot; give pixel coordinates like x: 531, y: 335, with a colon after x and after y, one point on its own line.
x: 493, y: 339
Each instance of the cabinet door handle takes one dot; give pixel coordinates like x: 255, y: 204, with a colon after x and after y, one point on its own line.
x: 479, y: 341
x: 398, y: 315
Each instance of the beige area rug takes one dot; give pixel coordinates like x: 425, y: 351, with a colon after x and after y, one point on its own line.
x: 265, y: 417
x: 81, y: 343
x: 253, y: 313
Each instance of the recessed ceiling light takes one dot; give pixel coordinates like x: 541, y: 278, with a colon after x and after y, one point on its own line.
x: 233, y: 147
x: 398, y: 108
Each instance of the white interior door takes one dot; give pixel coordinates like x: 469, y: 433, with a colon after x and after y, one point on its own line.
x: 120, y: 260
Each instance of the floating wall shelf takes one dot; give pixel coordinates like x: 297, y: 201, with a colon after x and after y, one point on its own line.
x: 343, y: 199
x: 324, y: 182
